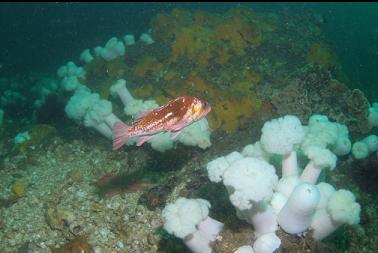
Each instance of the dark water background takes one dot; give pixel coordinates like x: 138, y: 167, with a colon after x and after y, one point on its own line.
x: 43, y: 36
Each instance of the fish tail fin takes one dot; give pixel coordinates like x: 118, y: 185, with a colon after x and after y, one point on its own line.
x: 121, y: 135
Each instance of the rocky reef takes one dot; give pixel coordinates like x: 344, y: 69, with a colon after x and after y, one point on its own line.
x: 312, y: 90
x: 64, y: 190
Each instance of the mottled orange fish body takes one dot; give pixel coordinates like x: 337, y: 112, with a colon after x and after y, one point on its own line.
x: 182, y: 109
x: 172, y: 117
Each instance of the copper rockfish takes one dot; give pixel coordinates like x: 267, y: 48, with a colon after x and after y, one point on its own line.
x: 172, y: 117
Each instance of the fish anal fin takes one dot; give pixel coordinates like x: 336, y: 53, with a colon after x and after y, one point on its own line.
x: 143, y: 139
x: 175, y: 134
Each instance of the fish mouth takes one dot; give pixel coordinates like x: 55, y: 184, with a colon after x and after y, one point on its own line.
x: 207, y: 108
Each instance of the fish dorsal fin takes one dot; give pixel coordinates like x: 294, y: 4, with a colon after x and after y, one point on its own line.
x: 141, y: 115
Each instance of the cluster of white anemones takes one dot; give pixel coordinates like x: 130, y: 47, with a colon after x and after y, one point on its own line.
x: 86, y: 107
x: 296, y: 202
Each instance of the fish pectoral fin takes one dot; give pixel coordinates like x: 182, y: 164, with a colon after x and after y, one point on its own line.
x: 143, y: 139
x: 175, y: 134
x: 176, y: 127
